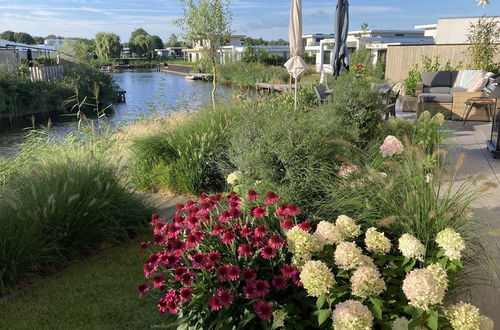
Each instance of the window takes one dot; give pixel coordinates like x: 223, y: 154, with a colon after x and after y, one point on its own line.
x: 399, y: 34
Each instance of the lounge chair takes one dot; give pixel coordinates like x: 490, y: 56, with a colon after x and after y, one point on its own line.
x: 322, y: 95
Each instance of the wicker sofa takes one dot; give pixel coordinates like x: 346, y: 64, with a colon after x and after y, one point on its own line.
x: 447, y: 91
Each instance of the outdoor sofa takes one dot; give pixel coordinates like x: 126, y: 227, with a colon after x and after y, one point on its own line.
x: 447, y: 92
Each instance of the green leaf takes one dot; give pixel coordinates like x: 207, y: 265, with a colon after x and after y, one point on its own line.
x: 432, y: 320
x: 323, y: 315
x: 321, y: 301
x: 440, y: 253
x: 410, y: 266
x: 376, y: 307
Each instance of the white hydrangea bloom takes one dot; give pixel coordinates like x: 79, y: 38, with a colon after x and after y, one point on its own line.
x: 452, y: 243
x: 347, y: 227
x: 411, y: 247
x: 463, y: 316
x: 352, y: 315
x: 366, y: 281
x: 400, y: 323
x: 486, y: 323
x: 376, y: 242
x: 347, y: 256
x: 316, y: 278
x: 279, y: 317
x: 328, y: 233
x: 439, y: 274
x: 234, y: 178
x: 422, y: 289
x: 366, y: 261
x: 302, y: 245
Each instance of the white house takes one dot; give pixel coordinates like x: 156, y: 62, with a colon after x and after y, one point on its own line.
x: 376, y: 41
x: 59, y: 42
x: 170, y: 51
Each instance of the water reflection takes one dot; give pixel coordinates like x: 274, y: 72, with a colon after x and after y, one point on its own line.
x: 147, y: 93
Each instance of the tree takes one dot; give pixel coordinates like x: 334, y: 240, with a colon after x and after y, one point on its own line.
x: 157, y: 42
x: 24, y: 38
x: 107, y: 45
x: 483, y: 40
x: 81, y: 50
x: 137, y: 41
x: 173, y: 41
x: 39, y: 40
x: 8, y: 35
x: 207, y: 22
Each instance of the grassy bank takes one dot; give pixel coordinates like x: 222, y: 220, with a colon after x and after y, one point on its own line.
x: 60, y: 200
x: 99, y: 292
x: 20, y: 96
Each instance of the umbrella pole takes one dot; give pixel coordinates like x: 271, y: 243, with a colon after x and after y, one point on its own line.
x: 295, y: 94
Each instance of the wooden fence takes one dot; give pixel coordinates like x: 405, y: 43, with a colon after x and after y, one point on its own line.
x: 45, y: 73
x: 401, y: 58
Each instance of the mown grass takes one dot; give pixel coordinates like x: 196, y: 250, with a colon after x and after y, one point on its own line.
x: 99, y: 292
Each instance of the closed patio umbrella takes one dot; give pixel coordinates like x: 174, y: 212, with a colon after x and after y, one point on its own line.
x: 295, y: 65
x: 340, y: 56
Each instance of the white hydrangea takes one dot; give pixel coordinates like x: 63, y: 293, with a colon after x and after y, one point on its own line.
x: 279, y: 317
x: 452, y: 243
x: 302, y: 245
x: 316, y: 278
x: 234, y: 178
x: 366, y: 281
x: 439, y: 274
x: 366, y: 261
x: 328, y: 233
x: 401, y: 323
x: 463, y: 316
x: 422, y: 289
x: 376, y: 242
x: 347, y: 227
x: 411, y: 247
x: 352, y: 315
x: 486, y: 323
x: 347, y: 256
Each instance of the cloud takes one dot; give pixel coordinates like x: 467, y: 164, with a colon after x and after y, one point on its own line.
x: 372, y: 9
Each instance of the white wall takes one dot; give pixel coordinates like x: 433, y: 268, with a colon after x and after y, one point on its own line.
x: 454, y: 30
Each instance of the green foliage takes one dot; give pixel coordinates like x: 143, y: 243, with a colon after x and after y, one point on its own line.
x: 261, y: 55
x: 80, y: 51
x: 248, y: 74
x: 357, y: 105
x: 427, y: 65
x: 21, y: 37
x: 483, y: 44
x: 284, y: 148
x: 186, y: 158
x: 59, y: 201
x: 107, y: 45
x: 248, y: 41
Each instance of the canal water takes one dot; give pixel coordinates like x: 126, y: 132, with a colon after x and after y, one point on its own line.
x: 147, y: 93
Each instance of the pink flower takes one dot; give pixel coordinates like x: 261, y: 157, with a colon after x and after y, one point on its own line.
x: 279, y: 282
x: 288, y: 270
x: 249, y: 290
x: 178, y: 247
x: 214, y: 257
x: 282, y: 210
x: 194, y: 238
x: 197, y: 260
x: 143, y: 246
x: 186, y: 294
x: 296, y: 279
x: 257, y: 241
x: 305, y: 226
x: 170, y: 303
x: 187, y: 278
x: 233, y: 273
x: 391, y: 146
x: 179, y: 208
x: 287, y: 224
x: 268, y: 252
x: 245, y: 232
x: 214, y: 303
x: 228, y: 237
x: 235, y: 213
x: 263, y: 309
x: 261, y: 288
x: 143, y: 288
x: 224, y: 296
x: 223, y: 273
x: 347, y: 170
x: 193, y: 222
x: 178, y: 272
x: 155, y: 217
x: 249, y: 275
x: 276, y: 241
x: 158, y: 281
x: 292, y: 210
x: 245, y: 250
x: 178, y: 221
x: 260, y: 231
x: 172, y: 231
x: 271, y: 198
x: 218, y: 229
x: 258, y: 212
x: 224, y: 216
x: 252, y: 195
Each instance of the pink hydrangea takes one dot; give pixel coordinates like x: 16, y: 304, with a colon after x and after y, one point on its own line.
x: 391, y: 146
x: 346, y: 170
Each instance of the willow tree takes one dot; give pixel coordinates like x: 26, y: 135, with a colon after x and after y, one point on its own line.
x: 206, y: 23
x: 107, y: 45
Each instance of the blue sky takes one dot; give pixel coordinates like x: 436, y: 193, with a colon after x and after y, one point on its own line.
x: 256, y: 18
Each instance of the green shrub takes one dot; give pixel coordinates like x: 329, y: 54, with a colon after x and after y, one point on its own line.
x: 248, y: 74
x: 59, y: 204
x: 286, y: 149
x: 186, y: 157
x: 427, y: 65
x: 357, y: 105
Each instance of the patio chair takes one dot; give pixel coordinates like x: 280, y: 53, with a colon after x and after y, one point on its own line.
x: 322, y: 94
x: 390, y: 99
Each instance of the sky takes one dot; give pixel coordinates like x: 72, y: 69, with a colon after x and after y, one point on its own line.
x: 256, y: 18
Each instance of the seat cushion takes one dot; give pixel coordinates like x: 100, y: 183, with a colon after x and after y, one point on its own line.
x: 437, y: 79
x: 437, y: 90
x: 435, y: 98
x: 457, y: 89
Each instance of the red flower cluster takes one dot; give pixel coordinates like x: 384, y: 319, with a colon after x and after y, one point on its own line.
x: 223, y: 248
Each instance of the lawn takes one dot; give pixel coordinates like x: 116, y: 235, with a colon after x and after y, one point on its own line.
x: 99, y: 292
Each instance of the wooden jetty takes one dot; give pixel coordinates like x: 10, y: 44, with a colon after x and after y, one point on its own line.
x: 273, y: 87
x: 120, y: 95
x: 199, y: 76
